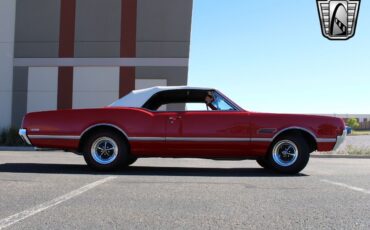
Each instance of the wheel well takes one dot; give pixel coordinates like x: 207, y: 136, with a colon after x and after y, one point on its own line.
x: 85, y: 136
x: 311, y: 141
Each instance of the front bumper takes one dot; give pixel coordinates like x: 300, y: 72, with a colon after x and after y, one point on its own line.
x: 23, y: 134
x: 340, y: 139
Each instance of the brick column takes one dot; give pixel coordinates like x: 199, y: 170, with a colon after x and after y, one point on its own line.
x: 66, y: 49
x: 128, y: 45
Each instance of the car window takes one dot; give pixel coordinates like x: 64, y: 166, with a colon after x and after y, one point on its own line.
x: 188, y: 100
x: 186, y: 107
x: 220, y: 103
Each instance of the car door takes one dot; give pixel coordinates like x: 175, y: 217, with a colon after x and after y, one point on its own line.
x: 209, y: 134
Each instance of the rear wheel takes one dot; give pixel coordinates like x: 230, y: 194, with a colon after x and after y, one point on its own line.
x: 289, y: 154
x: 106, y: 151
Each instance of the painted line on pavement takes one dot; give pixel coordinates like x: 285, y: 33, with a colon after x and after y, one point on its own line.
x: 357, y: 189
x: 6, y: 222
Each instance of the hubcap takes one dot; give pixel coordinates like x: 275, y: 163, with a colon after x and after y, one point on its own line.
x: 285, y: 153
x: 104, y: 150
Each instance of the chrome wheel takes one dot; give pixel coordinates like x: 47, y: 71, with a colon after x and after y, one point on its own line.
x: 104, y: 150
x: 285, y: 153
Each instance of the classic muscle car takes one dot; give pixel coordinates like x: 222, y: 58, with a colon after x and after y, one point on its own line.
x: 183, y: 122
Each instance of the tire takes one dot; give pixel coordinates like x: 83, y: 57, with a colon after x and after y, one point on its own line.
x: 106, y: 151
x: 132, y: 160
x: 262, y: 162
x: 289, y: 154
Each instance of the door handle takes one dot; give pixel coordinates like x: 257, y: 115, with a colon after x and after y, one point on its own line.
x: 175, y: 118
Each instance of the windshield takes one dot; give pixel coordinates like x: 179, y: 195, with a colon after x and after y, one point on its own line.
x: 220, y: 103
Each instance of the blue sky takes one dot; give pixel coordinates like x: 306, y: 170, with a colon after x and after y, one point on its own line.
x: 270, y: 56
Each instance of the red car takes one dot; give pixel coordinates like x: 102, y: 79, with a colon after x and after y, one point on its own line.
x: 183, y: 122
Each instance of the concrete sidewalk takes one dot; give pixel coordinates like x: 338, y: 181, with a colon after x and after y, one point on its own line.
x: 40, y: 191
x: 326, y: 155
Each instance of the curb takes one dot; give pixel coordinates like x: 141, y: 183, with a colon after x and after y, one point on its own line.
x: 341, y: 156
x: 26, y: 149
x: 17, y: 148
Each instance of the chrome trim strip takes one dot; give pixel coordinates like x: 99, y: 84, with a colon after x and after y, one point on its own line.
x: 147, y: 139
x: 340, y: 139
x: 318, y: 140
x: 326, y: 140
x: 72, y: 137
x: 198, y: 139
x: 23, y: 134
x: 261, y: 139
x: 295, y: 127
x: 65, y: 137
x: 210, y: 139
x: 195, y: 139
x: 104, y: 124
x: 266, y: 130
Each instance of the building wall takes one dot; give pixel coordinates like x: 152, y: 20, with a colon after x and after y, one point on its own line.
x: 7, y: 22
x: 88, y: 53
x: 37, y: 28
x: 98, y: 28
x: 95, y: 86
x: 42, y: 87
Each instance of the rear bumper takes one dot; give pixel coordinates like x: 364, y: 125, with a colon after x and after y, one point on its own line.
x: 340, y: 139
x: 23, y: 134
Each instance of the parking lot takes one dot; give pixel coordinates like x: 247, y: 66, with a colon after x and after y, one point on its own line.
x: 55, y: 190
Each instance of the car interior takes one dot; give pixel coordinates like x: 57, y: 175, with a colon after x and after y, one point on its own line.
x: 211, y: 100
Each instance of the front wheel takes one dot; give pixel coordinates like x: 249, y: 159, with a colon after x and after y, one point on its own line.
x: 289, y: 154
x: 263, y: 163
x: 132, y: 160
x: 105, y: 151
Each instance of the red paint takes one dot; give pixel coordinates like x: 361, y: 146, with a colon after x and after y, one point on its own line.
x: 126, y: 80
x: 65, y: 87
x: 128, y: 44
x: 320, y: 126
x: 57, y: 144
x: 136, y: 122
x: 66, y: 49
x: 128, y: 28
x: 325, y: 147
x: 67, y: 28
x: 214, y: 124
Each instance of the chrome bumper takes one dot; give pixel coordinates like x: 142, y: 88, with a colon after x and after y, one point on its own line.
x: 340, y: 139
x: 23, y: 134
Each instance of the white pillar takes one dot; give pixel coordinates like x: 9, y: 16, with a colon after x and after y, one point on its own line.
x: 7, y: 27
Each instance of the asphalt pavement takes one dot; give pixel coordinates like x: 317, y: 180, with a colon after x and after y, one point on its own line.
x: 56, y: 190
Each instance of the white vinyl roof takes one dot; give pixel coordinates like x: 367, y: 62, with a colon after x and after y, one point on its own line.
x: 137, y: 98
